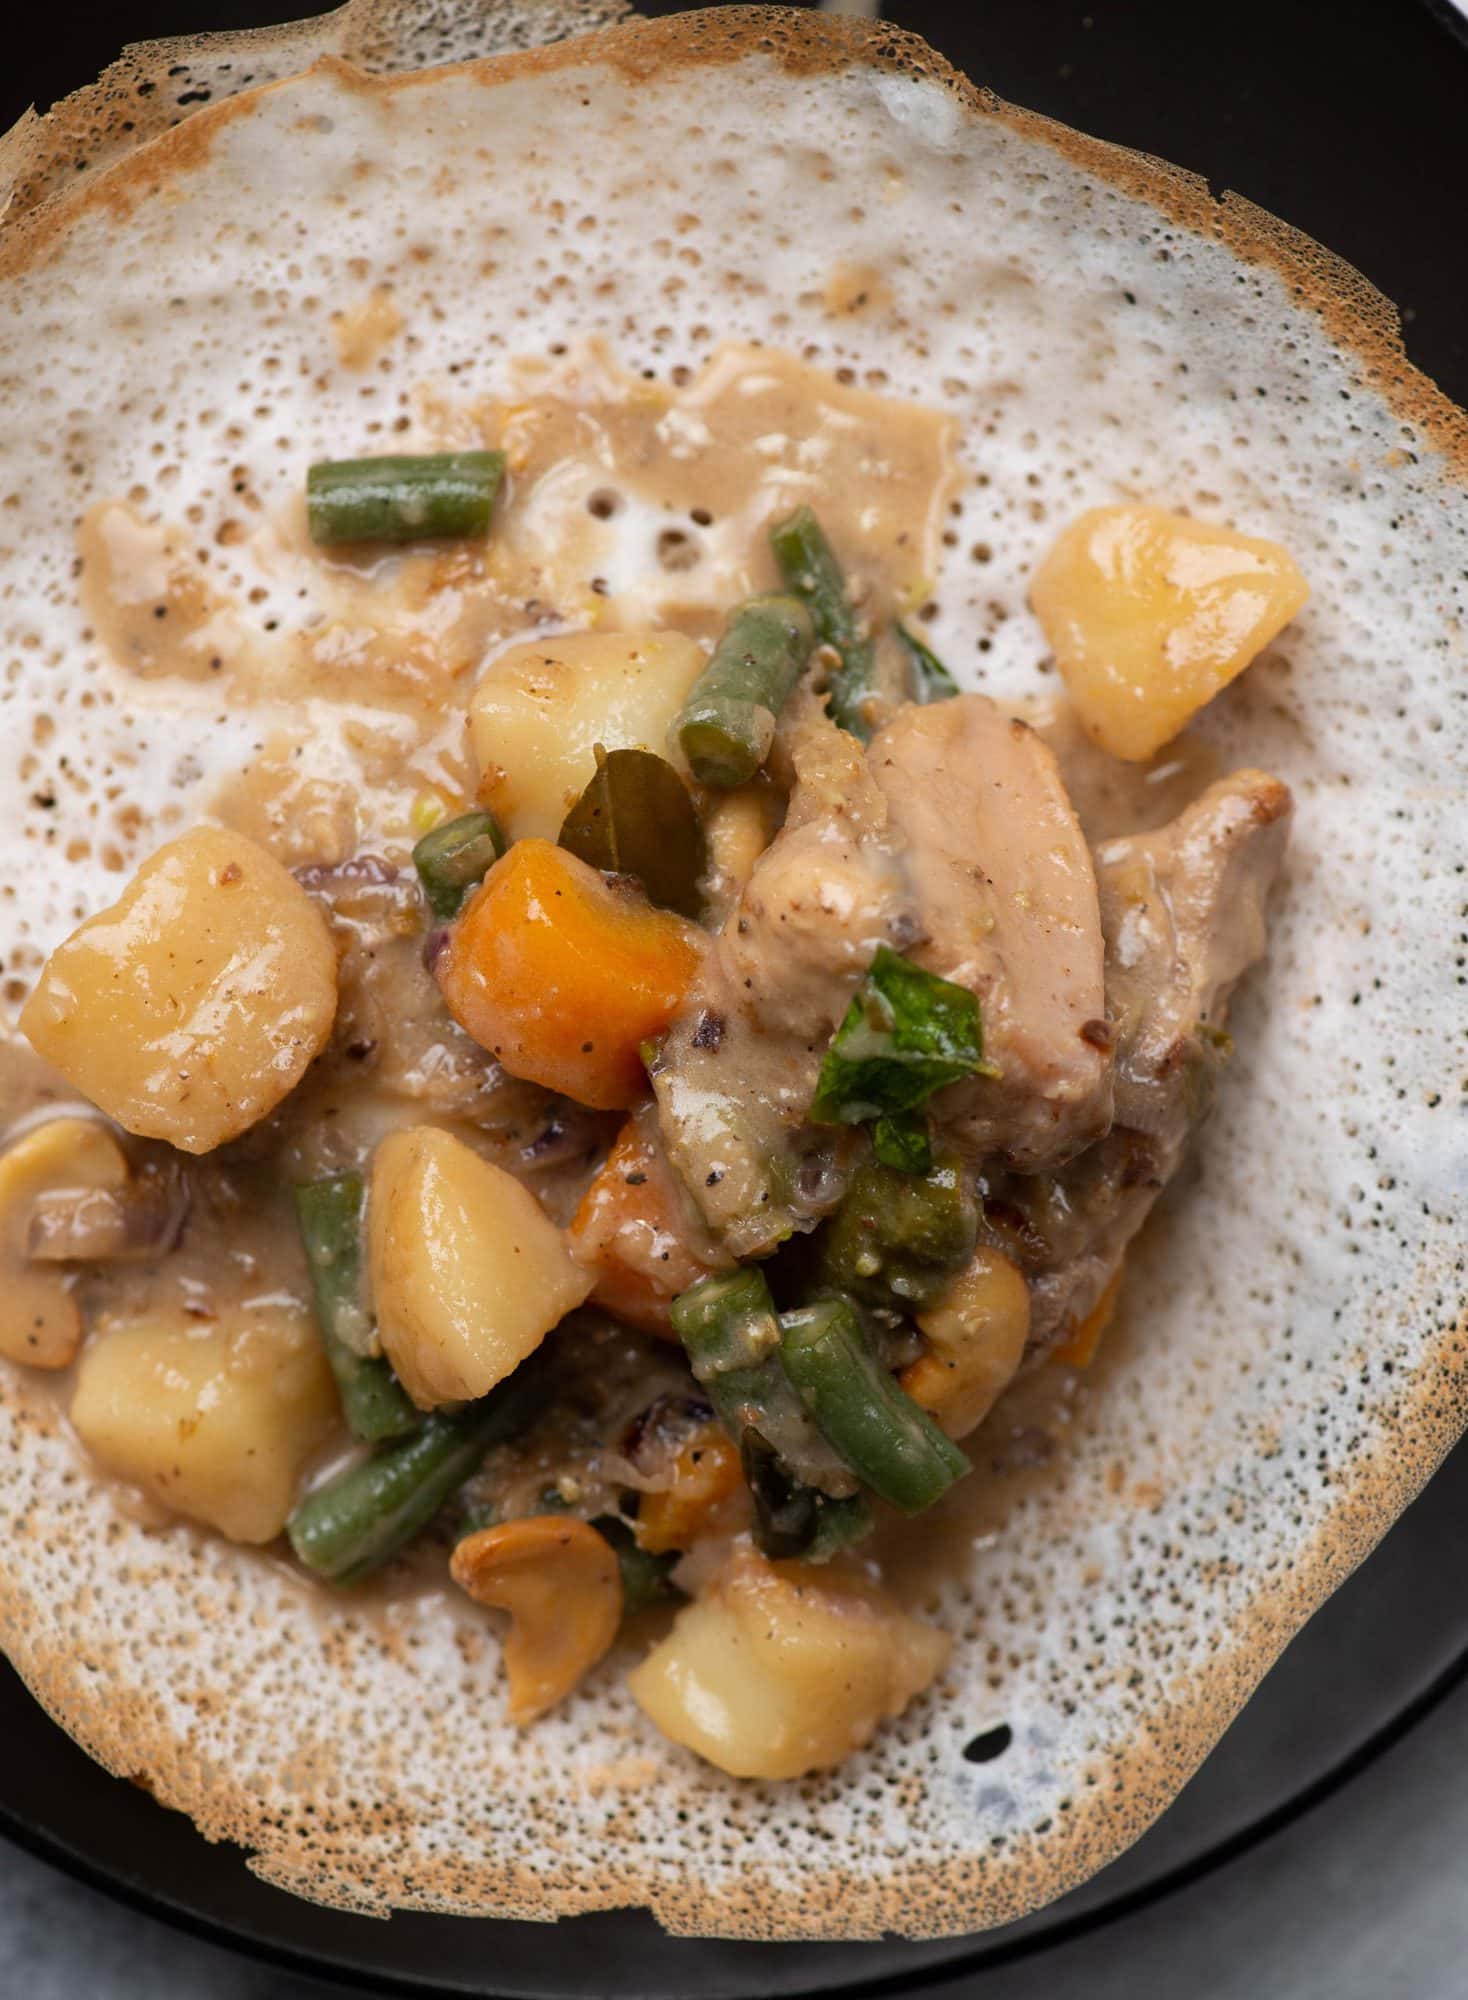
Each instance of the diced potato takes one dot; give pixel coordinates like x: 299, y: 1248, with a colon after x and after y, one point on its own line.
x: 215, y: 1419
x: 779, y: 1669
x: 542, y: 706
x: 1150, y: 614
x: 469, y: 1274
x: 190, y: 1008
x: 976, y: 1334
x: 40, y: 1322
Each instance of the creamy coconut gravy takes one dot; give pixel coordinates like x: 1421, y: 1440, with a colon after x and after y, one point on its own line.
x: 632, y: 506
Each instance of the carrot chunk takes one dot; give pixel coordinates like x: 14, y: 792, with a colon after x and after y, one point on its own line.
x: 563, y: 975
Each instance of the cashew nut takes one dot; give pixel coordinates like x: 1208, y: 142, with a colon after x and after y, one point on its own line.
x: 561, y: 1583
x: 976, y: 1335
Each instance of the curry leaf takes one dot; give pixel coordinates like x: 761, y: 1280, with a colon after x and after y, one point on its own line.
x: 906, y: 1034
x: 930, y: 679
x: 636, y: 818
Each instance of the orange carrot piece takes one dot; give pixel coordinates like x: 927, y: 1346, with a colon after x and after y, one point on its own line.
x: 563, y: 975
x: 1078, y: 1349
x: 706, y: 1480
x: 637, y: 1231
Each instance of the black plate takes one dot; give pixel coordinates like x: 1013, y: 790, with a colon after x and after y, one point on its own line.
x: 1344, y: 119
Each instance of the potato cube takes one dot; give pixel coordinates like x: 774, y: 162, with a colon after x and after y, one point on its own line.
x: 542, y: 706
x: 778, y: 1669
x: 190, y: 1008
x: 469, y: 1274
x: 1150, y: 614
x: 215, y: 1419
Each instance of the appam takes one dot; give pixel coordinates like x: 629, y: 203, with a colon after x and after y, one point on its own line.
x: 1100, y: 327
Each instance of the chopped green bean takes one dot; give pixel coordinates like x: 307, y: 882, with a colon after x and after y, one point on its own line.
x: 365, y: 1515
x: 731, y: 1334
x: 811, y: 571
x: 455, y: 858
x: 898, y: 1237
x: 727, y: 725
x: 373, y: 1401
x: 727, y: 1321
x: 402, y: 499
x: 892, y: 1445
x: 906, y: 1034
x: 929, y: 679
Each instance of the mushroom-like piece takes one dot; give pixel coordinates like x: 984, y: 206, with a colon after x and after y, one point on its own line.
x: 561, y: 1583
x: 40, y: 1322
x: 976, y: 1334
x: 139, y: 1220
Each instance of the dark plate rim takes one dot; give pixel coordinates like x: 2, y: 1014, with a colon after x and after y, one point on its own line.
x: 981, y: 1958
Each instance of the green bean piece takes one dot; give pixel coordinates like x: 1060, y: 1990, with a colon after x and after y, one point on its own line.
x: 646, y: 1578
x: 929, y: 680
x: 811, y: 571
x: 892, y: 1445
x: 727, y: 1321
x: 365, y: 1515
x: 731, y: 1334
x: 839, y: 1523
x: 727, y: 725
x: 455, y: 858
x: 373, y: 1401
x: 897, y: 1238
x: 901, y: 1140
x: 402, y: 499
x: 906, y: 1034
x: 791, y: 1518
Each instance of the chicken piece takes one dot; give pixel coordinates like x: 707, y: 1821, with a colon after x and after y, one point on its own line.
x: 737, y: 1071
x: 1183, y: 914
x: 1006, y: 897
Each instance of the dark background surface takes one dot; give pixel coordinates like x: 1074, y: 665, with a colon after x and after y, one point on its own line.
x: 1348, y: 120
x: 1346, y: 117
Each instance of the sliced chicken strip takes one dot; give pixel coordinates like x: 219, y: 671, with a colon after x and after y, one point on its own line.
x: 737, y: 1071
x: 1006, y: 896
x: 1183, y: 911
